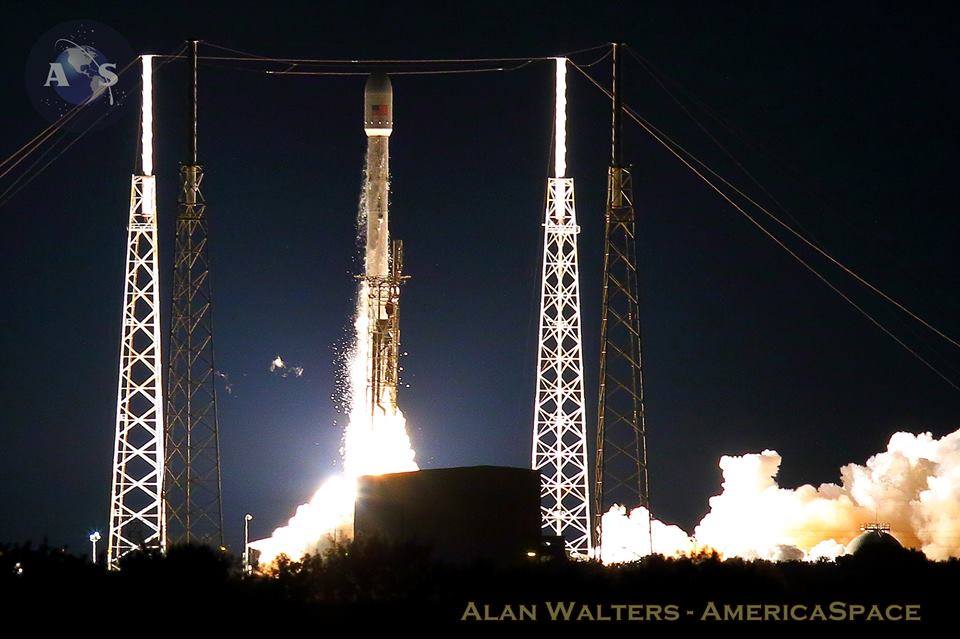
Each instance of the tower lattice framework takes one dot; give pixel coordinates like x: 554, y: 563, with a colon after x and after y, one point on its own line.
x: 559, y: 435
x: 192, y: 488
x: 559, y: 424
x: 136, y: 504
x: 621, y: 463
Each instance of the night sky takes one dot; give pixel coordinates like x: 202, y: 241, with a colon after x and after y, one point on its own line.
x: 847, y: 116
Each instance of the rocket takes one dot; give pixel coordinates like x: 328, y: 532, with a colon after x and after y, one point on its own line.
x: 378, y: 125
x: 382, y: 268
x: 378, y: 106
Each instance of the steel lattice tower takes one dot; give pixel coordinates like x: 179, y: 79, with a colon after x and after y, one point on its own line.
x: 621, y: 465
x: 136, y: 506
x: 559, y: 429
x: 192, y: 485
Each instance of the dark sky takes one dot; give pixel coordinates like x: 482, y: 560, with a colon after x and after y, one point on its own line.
x: 853, y: 108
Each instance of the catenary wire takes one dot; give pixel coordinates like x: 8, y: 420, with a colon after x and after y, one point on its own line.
x: 32, y: 172
x: 680, y: 156
x: 813, y: 245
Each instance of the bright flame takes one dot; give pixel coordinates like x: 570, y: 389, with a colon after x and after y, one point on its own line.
x: 914, y: 486
x: 372, y: 445
x: 378, y: 444
x: 146, y: 117
x: 560, y: 123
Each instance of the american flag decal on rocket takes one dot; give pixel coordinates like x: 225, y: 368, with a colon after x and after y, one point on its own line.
x: 378, y: 106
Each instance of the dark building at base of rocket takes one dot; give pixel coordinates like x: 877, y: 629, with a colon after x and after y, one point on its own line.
x: 463, y: 515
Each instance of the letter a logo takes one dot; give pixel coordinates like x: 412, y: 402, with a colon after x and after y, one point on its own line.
x: 57, y: 75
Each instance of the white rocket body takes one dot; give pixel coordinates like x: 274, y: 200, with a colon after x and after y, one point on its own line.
x: 378, y: 125
x: 382, y: 285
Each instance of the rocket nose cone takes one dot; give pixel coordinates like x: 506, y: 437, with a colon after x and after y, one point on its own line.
x: 378, y: 105
x: 377, y: 84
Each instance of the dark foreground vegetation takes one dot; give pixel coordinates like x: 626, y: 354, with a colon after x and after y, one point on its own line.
x: 381, y: 584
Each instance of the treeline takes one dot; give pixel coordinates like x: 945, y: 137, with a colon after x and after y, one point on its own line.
x: 372, y: 582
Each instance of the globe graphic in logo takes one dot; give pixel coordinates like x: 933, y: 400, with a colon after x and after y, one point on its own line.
x: 83, y: 67
x: 76, y: 69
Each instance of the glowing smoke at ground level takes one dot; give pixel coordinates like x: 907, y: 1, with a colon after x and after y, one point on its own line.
x: 372, y: 445
x: 914, y: 486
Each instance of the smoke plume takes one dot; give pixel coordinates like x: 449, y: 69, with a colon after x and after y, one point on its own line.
x: 914, y: 485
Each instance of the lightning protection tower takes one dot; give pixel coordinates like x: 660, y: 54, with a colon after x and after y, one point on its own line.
x: 136, y: 506
x: 559, y: 428
x: 621, y: 465
x: 192, y: 485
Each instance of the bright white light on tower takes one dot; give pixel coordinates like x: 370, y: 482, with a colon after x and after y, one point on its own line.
x: 146, y: 117
x: 560, y: 125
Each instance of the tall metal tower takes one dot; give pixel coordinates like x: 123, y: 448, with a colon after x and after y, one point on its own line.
x: 621, y: 465
x: 136, y: 507
x: 192, y: 485
x: 559, y: 427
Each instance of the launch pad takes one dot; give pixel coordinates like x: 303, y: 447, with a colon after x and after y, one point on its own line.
x: 488, y: 514
x: 463, y: 514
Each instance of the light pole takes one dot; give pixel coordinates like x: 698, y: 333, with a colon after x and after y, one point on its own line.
x: 246, y: 543
x: 94, y: 538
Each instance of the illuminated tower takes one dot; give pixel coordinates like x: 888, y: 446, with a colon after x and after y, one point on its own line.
x: 559, y: 427
x: 621, y: 466
x: 136, y: 507
x: 192, y: 487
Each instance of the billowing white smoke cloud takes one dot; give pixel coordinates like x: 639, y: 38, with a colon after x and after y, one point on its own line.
x: 628, y: 538
x: 327, y: 516
x: 914, y: 486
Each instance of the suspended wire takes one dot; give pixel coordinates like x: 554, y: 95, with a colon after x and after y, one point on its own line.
x: 606, y: 55
x: 733, y: 129
x: 650, y: 69
x: 49, y: 133
x: 37, y: 141
x: 813, y: 245
x: 32, y: 172
x: 672, y: 146
x: 293, y: 64
x: 10, y: 192
x: 52, y: 130
x: 248, y: 57
x: 677, y: 151
x: 291, y: 72
x: 425, y: 72
x: 27, y: 147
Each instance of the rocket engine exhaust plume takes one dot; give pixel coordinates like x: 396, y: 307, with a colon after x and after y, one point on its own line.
x: 375, y: 440
x: 914, y: 486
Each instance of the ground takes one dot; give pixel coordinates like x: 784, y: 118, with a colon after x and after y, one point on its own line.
x: 400, y: 586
